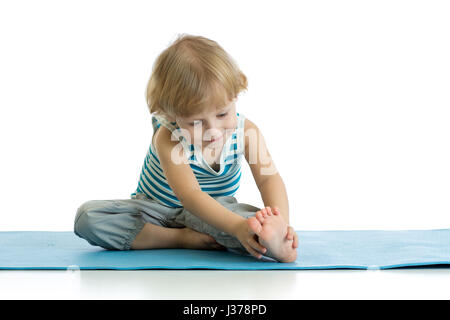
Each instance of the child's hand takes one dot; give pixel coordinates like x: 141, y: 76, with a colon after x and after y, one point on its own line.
x: 291, y: 234
x: 248, y: 239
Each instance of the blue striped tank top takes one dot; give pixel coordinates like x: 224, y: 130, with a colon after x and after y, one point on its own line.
x: 225, y: 182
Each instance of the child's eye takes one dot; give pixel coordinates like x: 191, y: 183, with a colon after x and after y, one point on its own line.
x: 198, y: 122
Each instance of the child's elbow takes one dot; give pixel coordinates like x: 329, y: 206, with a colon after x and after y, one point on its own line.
x: 187, y: 196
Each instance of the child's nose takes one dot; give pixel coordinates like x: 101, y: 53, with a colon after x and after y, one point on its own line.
x: 211, y: 125
x: 212, y: 134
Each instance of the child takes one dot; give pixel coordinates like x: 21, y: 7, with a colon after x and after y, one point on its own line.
x: 192, y: 170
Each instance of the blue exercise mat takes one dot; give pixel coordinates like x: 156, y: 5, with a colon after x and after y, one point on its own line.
x: 317, y: 250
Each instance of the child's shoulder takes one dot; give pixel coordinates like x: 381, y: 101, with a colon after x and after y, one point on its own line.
x: 251, y: 135
x: 250, y: 128
x: 248, y: 124
x: 162, y: 138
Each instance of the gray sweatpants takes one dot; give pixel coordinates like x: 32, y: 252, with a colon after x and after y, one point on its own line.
x: 113, y: 224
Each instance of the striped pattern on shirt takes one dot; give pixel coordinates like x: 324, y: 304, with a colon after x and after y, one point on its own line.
x: 225, y: 182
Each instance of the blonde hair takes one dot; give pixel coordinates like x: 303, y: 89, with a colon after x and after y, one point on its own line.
x: 192, y: 74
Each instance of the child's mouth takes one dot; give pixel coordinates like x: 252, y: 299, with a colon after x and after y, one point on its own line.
x: 214, y: 140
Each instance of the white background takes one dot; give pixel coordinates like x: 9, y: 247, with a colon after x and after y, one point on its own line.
x: 351, y: 96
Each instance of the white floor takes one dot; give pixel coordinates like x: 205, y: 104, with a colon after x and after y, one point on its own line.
x: 420, y: 283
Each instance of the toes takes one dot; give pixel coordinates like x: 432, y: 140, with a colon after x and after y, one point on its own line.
x: 259, y: 217
x: 264, y: 212
x: 269, y: 211
x: 210, y: 240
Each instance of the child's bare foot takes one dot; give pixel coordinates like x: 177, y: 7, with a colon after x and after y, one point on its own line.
x: 191, y: 239
x: 271, y: 230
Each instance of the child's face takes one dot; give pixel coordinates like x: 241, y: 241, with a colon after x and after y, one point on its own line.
x: 211, y: 128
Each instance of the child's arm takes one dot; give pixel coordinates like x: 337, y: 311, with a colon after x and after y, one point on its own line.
x: 269, y: 182
x: 182, y: 181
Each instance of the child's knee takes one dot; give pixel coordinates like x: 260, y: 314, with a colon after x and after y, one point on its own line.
x: 100, y: 223
x: 77, y: 224
x: 84, y: 219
